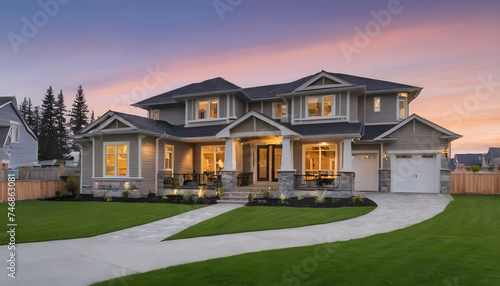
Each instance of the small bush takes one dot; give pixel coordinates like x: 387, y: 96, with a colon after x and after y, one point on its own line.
x: 300, y: 197
x: 220, y: 192
x: 283, y: 199
x: 164, y: 198
x: 109, y: 200
x: 320, y: 199
x: 77, y: 198
x: 125, y: 194
x: 262, y: 202
x: 58, y: 194
x: 105, y: 195
x: 192, y: 194
x: 476, y: 168
x: 71, y: 184
x: 266, y: 194
x: 187, y: 199
x: 250, y: 197
x: 357, y: 200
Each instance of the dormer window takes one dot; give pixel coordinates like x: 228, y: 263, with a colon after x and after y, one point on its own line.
x: 208, y: 109
x: 320, y: 106
x: 402, y: 105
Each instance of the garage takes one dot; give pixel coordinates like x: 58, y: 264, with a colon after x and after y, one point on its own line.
x: 365, y: 165
x: 415, y: 173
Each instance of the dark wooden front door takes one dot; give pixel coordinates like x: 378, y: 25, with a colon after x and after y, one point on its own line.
x: 262, y: 163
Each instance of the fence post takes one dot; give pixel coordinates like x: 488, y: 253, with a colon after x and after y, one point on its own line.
x: 61, y: 169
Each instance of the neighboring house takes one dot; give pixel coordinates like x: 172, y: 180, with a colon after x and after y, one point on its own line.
x: 18, y: 144
x: 323, y: 131
x: 464, y: 162
x: 493, y: 157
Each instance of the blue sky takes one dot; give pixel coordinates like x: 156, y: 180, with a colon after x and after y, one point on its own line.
x: 124, y: 51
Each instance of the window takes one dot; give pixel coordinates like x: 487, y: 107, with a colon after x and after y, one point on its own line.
x: 402, y: 105
x: 212, y: 158
x: 320, y: 106
x: 116, y: 159
x: 14, y: 126
x: 169, y: 159
x: 376, y: 104
x: 208, y: 109
x: 156, y: 115
x: 279, y: 110
x: 320, y: 158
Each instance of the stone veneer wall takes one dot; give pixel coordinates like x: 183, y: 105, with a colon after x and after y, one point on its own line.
x: 116, y: 188
x: 285, y: 183
x: 347, y: 182
x: 445, y: 179
x: 384, y: 184
x: 229, y: 180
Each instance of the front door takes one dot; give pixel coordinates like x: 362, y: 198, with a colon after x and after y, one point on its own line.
x: 276, y: 161
x: 262, y: 163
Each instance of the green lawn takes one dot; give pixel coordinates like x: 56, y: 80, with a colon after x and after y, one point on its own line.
x: 52, y: 220
x: 264, y: 218
x: 460, y: 246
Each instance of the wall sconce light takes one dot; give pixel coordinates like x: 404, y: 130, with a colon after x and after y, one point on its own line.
x: 386, y: 155
x: 445, y: 153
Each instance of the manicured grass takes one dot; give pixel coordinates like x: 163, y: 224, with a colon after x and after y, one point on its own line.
x: 52, y: 220
x: 264, y: 218
x: 460, y: 246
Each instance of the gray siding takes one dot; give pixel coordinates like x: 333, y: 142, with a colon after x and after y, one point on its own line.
x: 173, y: 114
x: 86, y: 163
x: 254, y: 106
x: 223, y: 106
x: 423, y: 138
x: 296, y: 107
x: 183, y: 156
x: 353, y: 108
x: 268, y: 108
x: 247, y: 153
x: 25, y: 152
x: 133, y: 152
x: 387, y: 112
x: 241, y: 107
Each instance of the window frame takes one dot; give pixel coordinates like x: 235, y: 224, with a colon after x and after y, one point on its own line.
x: 116, y: 144
x: 214, y: 152
x: 402, y: 97
x: 165, y: 158
x: 375, y: 99
x: 14, y: 125
x: 320, y: 145
x: 208, y: 100
x: 322, y: 102
x: 157, y: 111
x: 283, y: 110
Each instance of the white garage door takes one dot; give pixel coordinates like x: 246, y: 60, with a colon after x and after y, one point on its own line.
x: 365, y: 165
x: 415, y: 173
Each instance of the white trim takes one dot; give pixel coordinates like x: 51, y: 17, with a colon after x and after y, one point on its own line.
x: 234, y: 104
x: 348, y: 106
x: 104, y: 117
x: 116, y: 143
x: 337, y: 157
x: 293, y: 110
x: 215, y: 156
x: 285, y: 115
x: 412, y: 152
x: 375, y: 104
x: 139, y: 154
x: 93, y: 157
x: 226, y: 132
x: 405, y: 101
x: 165, y: 157
x: 110, y: 120
x: 262, y: 107
x: 382, y: 123
x: 322, y: 102
x: 306, y: 85
x: 186, y: 111
x: 11, y: 131
x: 208, y: 111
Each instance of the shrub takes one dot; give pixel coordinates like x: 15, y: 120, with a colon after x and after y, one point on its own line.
x: 58, y: 194
x: 250, y: 197
x: 132, y: 187
x: 125, y: 194
x: 109, y: 200
x: 187, y: 199
x: 319, y: 199
x: 476, y: 168
x: 357, y: 200
x: 266, y: 193
x: 192, y: 194
x: 220, y: 192
x: 283, y: 199
x: 77, y: 197
x: 200, y: 200
x: 262, y: 202
x: 300, y: 197
x: 164, y: 198
x: 104, y: 194
x: 71, y: 184
x: 151, y: 194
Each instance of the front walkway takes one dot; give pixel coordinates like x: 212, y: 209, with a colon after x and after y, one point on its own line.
x: 88, y: 260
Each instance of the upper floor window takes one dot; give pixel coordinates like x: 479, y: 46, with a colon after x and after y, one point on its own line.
x: 14, y: 126
x: 376, y: 104
x: 279, y: 110
x: 402, y: 105
x: 320, y: 106
x: 169, y: 159
x: 208, y: 109
x: 156, y: 114
x: 116, y: 158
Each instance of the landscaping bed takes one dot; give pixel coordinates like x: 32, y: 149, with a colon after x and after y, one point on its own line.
x: 312, y: 202
x: 171, y: 199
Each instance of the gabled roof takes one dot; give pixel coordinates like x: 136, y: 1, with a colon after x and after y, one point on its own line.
x: 6, y: 99
x: 4, y: 135
x: 284, y: 131
x: 214, y: 85
x: 373, y: 131
x: 11, y: 100
x: 494, y: 152
x: 448, y: 133
x: 470, y: 159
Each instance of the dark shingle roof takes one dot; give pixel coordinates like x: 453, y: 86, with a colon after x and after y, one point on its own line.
x: 326, y: 128
x: 5, y: 99
x: 373, y: 131
x: 470, y: 159
x: 373, y: 84
x: 207, y: 86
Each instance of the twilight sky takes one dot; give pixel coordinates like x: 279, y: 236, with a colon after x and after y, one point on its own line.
x: 125, y: 51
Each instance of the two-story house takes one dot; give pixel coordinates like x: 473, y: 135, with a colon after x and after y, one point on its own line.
x: 324, y: 131
x: 18, y: 144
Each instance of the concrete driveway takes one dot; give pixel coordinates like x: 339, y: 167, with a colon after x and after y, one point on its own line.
x: 89, y: 260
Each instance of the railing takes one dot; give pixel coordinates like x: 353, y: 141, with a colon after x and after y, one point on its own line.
x: 191, y: 181
x: 317, y: 180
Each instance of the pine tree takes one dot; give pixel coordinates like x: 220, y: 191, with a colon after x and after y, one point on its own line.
x: 92, y: 118
x: 23, y: 108
x: 29, y: 115
x: 47, y: 139
x: 62, y: 131
x: 79, y: 112
x: 36, y: 125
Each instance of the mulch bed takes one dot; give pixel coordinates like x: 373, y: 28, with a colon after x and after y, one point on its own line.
x: 172, y: 199
x: 309, y: 202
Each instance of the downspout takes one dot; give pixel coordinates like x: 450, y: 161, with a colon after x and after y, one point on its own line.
x: 364, y: 115
x: 164, y: 135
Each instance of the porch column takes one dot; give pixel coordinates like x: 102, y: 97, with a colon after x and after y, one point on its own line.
x: 286, y: 155
x: 347, y: 158
x: 229, y: 155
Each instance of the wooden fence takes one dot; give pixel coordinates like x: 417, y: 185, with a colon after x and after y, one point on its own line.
x: 475, y: 183
x: 30, y: 190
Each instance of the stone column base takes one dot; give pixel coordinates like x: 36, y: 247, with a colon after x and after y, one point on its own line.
x: 286, y: 183
x: 347, y: 182
x: 445, y: 179
x: 229, y: 180
x: 384, y: 184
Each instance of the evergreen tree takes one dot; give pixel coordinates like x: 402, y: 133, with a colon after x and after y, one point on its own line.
x: 92, y: 118
x: 29, y: 116
x: 47, y: 139
x: 36, y: 124
x: 79, y: 112
x: 23, y: 108
x: 62, y: 131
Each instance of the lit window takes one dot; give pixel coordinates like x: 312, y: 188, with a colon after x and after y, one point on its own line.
x: 116, y: 159
x: 402, y: 105
x: 279, y: 110
x: 212, y: 158
x: 169, y: 159
x: 321, y: 106
x: 320, y: 159
x: 208, y: 109
x: 14, y: 127
x: 376, y: 104
x: 156, y: 114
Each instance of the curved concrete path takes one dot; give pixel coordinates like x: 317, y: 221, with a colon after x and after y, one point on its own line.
x: 89, y: 260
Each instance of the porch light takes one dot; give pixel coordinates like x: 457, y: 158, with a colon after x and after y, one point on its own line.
x: 386, y: 154
x: 445, y: 153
